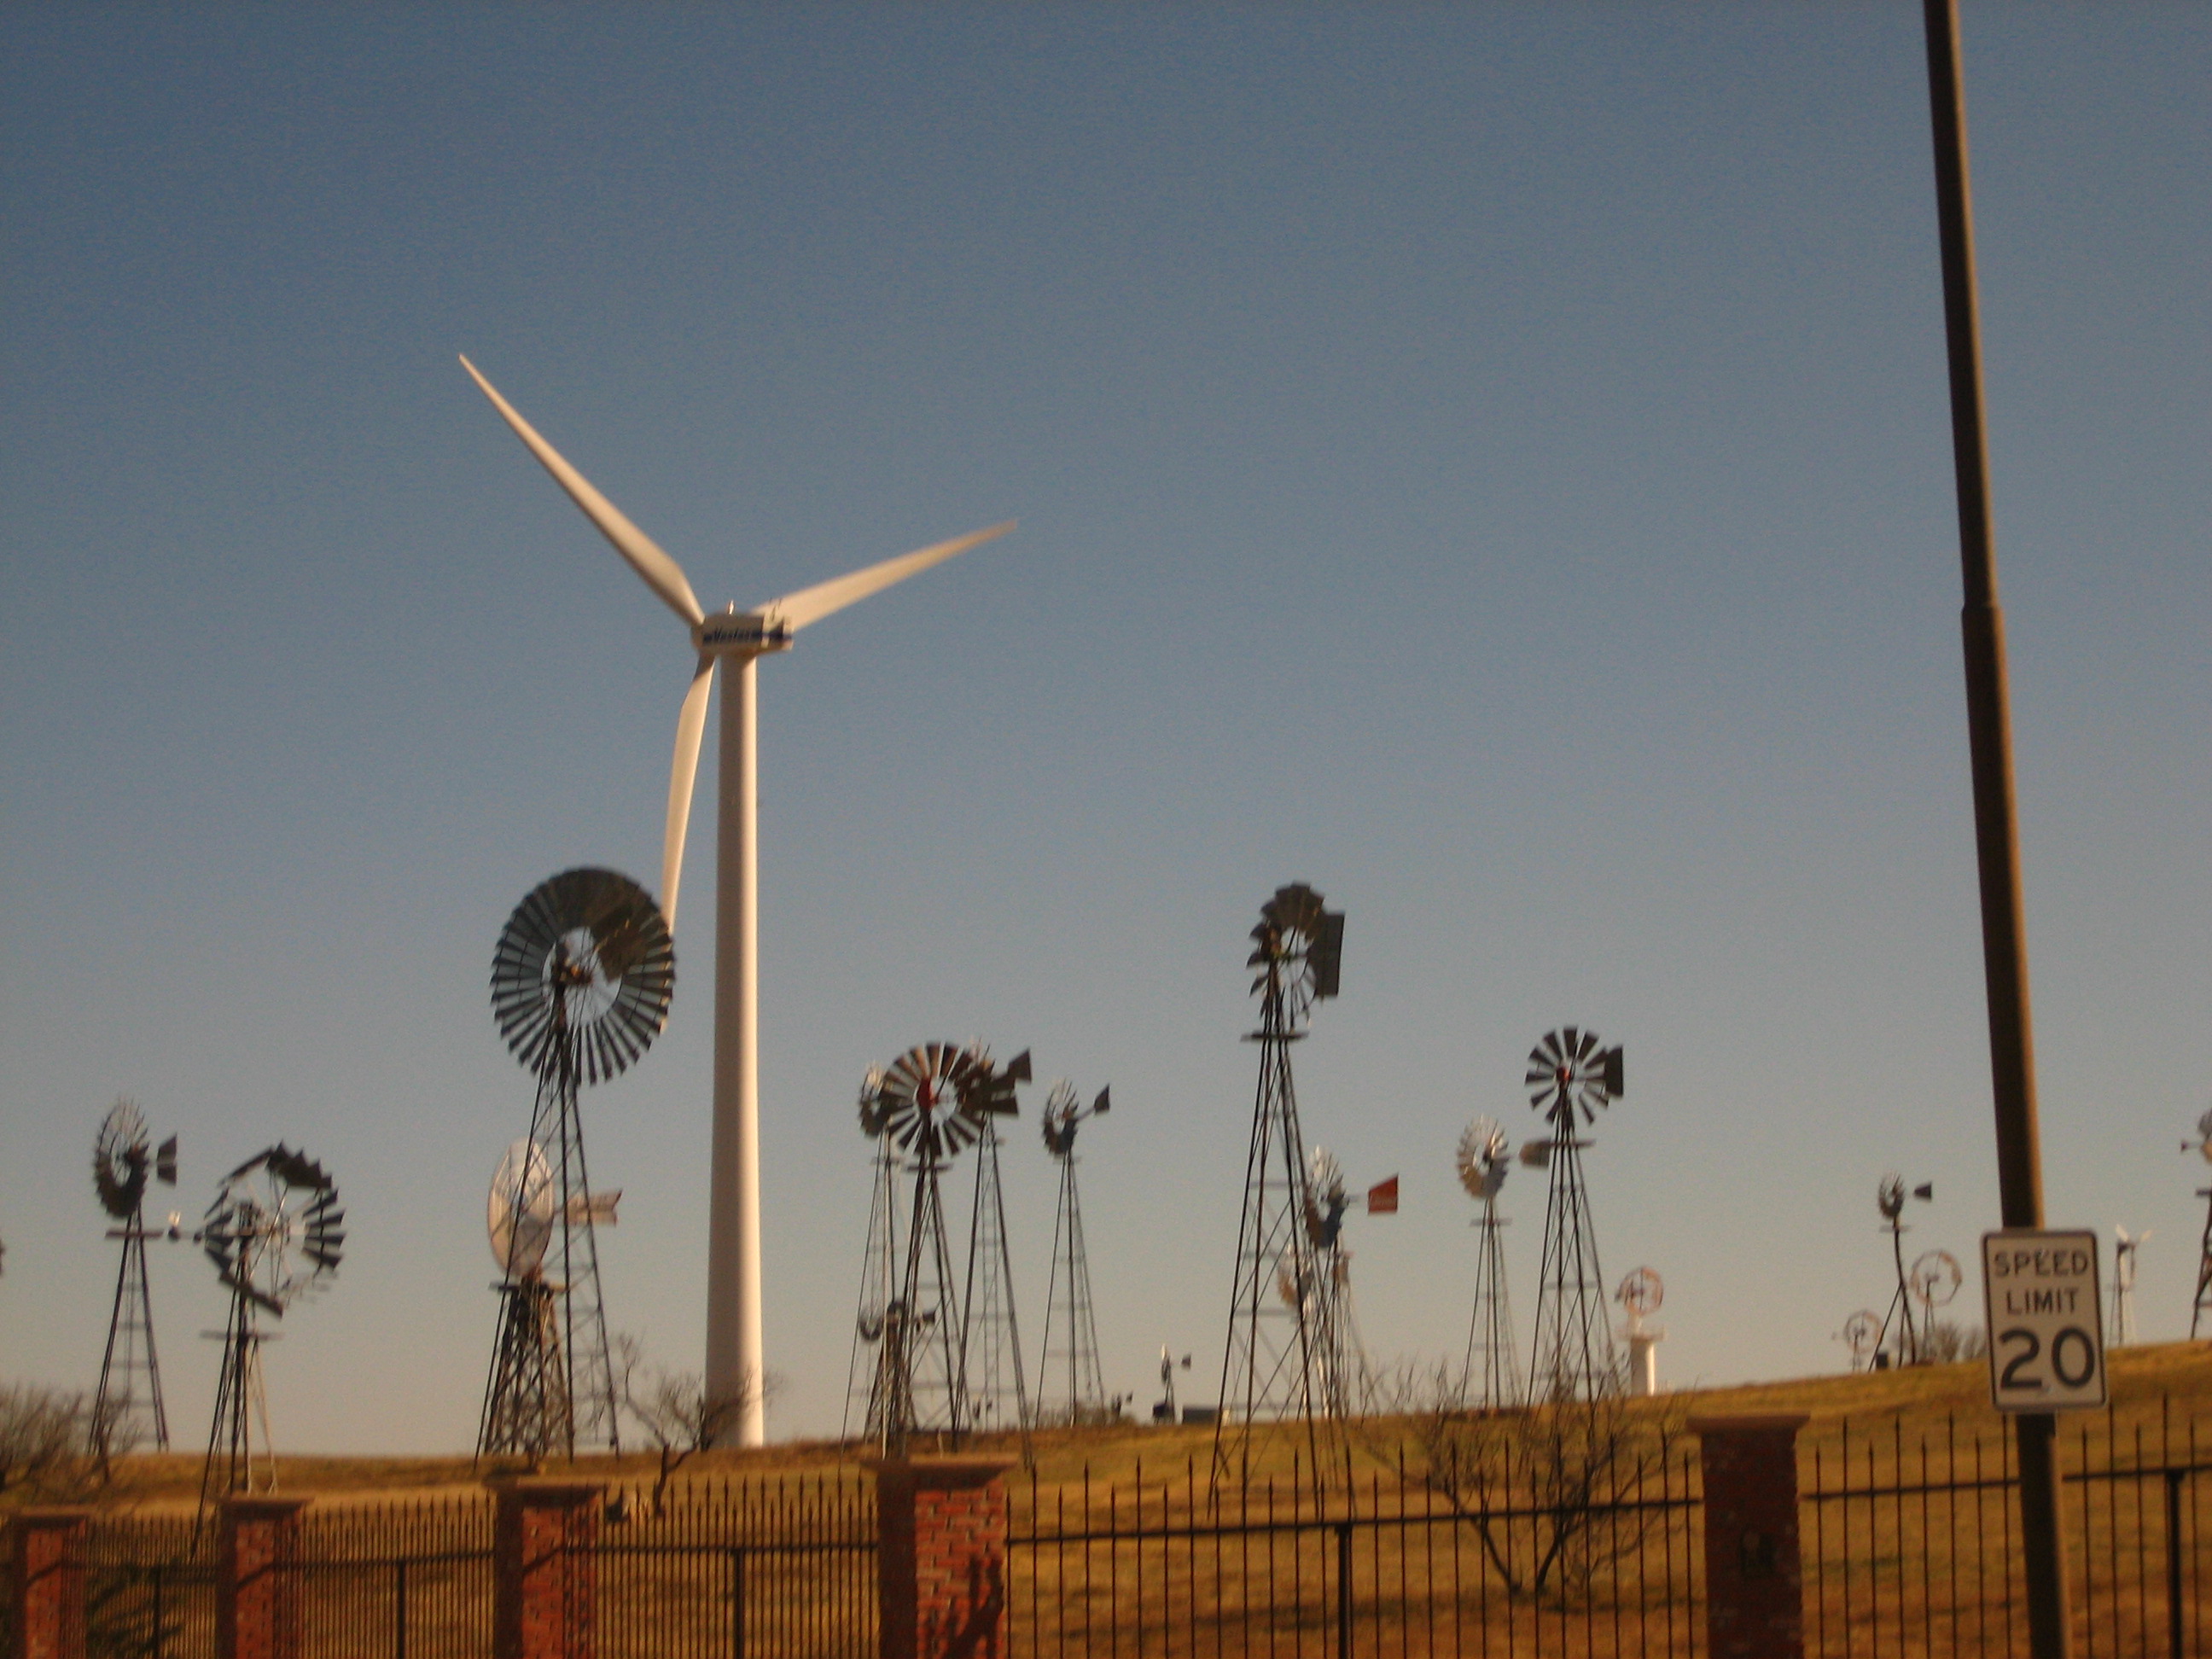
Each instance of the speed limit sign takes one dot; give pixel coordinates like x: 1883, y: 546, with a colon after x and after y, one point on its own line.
x: 2046, y: 1324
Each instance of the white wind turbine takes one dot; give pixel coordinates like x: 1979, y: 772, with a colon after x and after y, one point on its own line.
x: 735, y: 1367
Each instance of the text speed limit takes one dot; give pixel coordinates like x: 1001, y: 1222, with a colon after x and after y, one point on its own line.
x: 2046, y: 1324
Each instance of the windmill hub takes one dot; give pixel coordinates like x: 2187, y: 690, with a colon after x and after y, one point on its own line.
x: 749, y: 634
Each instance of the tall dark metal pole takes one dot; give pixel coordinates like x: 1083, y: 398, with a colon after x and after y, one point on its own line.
x: 1989, y: 727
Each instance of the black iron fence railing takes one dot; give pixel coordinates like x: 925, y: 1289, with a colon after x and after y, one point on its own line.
x: 746, y: 1569
x: 1382, y: 1563
x: 1911, y: 1546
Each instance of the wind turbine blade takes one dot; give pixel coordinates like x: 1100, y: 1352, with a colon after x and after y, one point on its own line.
x: 810, y: 604
x: 691, y: 726
x: 662, y: 573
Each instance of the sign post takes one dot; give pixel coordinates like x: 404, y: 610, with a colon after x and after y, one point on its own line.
x: 2046, y: 1323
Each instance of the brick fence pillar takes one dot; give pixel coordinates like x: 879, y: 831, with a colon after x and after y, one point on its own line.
x: 46, y: 1564
x: 545, y: 1570
x: 941, y: 1557
x: 256, y: 1586
x: 1754, y: 1581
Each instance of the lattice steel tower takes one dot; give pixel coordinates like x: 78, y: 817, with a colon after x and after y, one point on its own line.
x: 880, y: 1280
x: 1270, y: 1367
x: 992, y: 1383
x: 1573, y: 1356
x: 129, y: 1402
x: 526, y: 1412
x: 1071, y: 1332
x: 1491, y: 1377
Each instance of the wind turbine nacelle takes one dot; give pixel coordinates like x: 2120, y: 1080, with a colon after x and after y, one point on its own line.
x: 727, y: 633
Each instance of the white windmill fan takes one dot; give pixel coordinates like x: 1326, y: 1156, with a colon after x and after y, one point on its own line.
x: 524, y: 1206
x: 1862, y: 1335
x: 1485, y: 1156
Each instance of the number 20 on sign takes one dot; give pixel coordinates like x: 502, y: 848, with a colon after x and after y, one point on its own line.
x: 2047, y: 1322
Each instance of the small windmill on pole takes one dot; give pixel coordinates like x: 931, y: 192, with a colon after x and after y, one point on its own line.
x: 736, y: 1363
x: 124, y: 1160
x: 2201, y: 1309
x: 1071, y: 1330
x: 1491, y: 1375
x: 1641, y: 1295
x: 1570, y: 1074
x: 526, y: 1410
x: 1889, y: 1195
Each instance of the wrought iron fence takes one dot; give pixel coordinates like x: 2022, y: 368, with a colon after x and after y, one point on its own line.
x: 783, y: 1569
x: 404, y: 1579
x: 1910, y: 1547
x: 1388, y: 1565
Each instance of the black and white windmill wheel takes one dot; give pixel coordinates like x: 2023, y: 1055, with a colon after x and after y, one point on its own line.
x: 585, y: 964
x: 1568, y: 1072
x: 925, y: 1099
x: 1298, y: 945
x: 275, y: 1232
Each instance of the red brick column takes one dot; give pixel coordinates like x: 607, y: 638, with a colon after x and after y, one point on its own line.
x: 1754, y: 1581
x: 941, y: 1557
x: 257, y: 1587
x: 545, y: 1570
x: 46, y: 1562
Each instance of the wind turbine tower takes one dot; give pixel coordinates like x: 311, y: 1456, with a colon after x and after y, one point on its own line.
x: 736, y: 1367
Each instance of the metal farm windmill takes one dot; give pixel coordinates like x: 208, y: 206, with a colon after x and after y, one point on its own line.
x: 1862, y: 1335
x: 1345, y: 1383
x: 580, y: 984
x: 735, y: 1364
x: 2202, y: 1307
x: 992, y: 1390
x: 880, y: 1281
x: 1641, y: 1295
x: 1889, y: 1197
x: 1270, y: 1367
x: 275, y: 1233
x: 1070, y: 1331
x: 1491, y: 1375
x: 526, y: 1410
x: 1934, y: 1281
x: 123, y: 1161
x: 1569, y: 1074
x: 917, y: 1387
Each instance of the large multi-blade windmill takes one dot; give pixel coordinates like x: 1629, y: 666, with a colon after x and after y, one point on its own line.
x: 735, y: 1363
x: 1491, y: 1377
x: 124, y: 1160
x: 1270, y: 1368
x: 1569, y: 1074
x: 923, y: 1102
x: 1068, y: 1317
x: 580, y: 984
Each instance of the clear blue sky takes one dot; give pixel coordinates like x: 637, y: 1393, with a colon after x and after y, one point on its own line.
x: 1491, y: 462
